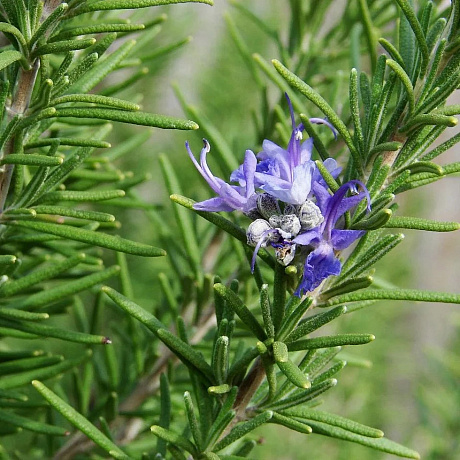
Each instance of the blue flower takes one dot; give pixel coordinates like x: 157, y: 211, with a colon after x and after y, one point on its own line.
x: 287, y: 174
x: 284, y: 194
x: 325, y: 239
x: 231, y: 197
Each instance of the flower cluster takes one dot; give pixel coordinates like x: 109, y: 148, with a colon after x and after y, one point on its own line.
x: 292, y: 210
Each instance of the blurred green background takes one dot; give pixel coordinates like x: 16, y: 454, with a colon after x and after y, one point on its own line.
x: 411, y: 391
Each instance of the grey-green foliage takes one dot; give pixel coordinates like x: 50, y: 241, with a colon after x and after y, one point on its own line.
x: 238, y: 345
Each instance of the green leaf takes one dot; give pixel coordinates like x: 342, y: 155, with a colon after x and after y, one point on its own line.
x: 80, y: 422
x: 291, y: 423
x: 280, y: 352
x: 397, y: 294
x: 24, y: 378
x: 366, y: 259
x: 354, y: 109
x: 26, y: 364
x: 429, y: 119
x: 329, y: 372
x: 128, y: 4
x: 386, y: 147
x: 349, y: 285
x: 331, y: 341
x: 165, y: 411
x: 87, y: 75
x: 185, y: 352
x: 13, y: 313
x: 219, y: 389
x: 334, y: 420
x: 92, y: 238
x: 64, y: 46
x: 288, y: 368
x: 63, y: 290
x: 392, y: 51
x: 382, y: 444
x: 405, y: 80
x: 302, y: 397
x: 31, y: 160
x: 314, y: 97
x: 10, y: 29
x: 292, y: 318
x: 279, y: 295
x: 134, y: 310
x: 243, y: 429
x: 55, y: 332
x: 192, y: 421
x: 49, y: 22
x: 128, y: 146
x: 15, y: 395
x: 220, y: 359
x: 375, y: 221
x: 31, y: 425
x: 174, y: 438
x: 96, y: 99
x: 68, y: 141
x: 51, y: 270
x: 224, y: 224
x: 330, y: 181
x: 161, y: 51
x: 97, y: 29
x: 78, y: 214
x: 226, y: 158
x: 441, y: 148
x: 183, y: 218
x: 123, y: 116
x: 315, y: 322
x: 182, y: 349
x: 224, y: 417
x: 72, y: 195
x: 266, y: 311
x: 417, y: 29
x: 236, y: 304
x: 8, y: 57
x: 69, y: 82
x: 417, y: 223
x: 370, y: 32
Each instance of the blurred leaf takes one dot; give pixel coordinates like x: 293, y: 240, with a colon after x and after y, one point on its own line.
x: 80, y: 422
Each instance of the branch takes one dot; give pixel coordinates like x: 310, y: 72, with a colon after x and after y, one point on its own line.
x: 19, y: 105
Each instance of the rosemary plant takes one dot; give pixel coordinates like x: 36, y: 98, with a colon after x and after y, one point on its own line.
x: 241, y: 327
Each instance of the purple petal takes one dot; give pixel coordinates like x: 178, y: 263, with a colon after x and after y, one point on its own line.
x: 212, y: 205
x: 213, y: 181
x: 349, y: 203
x: 320, y: 264
x: 306, y: 150
x: 301, y: 184
x: 341, y: 239
x: 291, y: 111
x: 307, y: 237
x: 249, y: 169
x: 231, y: 195
x: 324, y: 121
x: 238, y: 176
x: 322, y: 196
x: 336, y: 206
